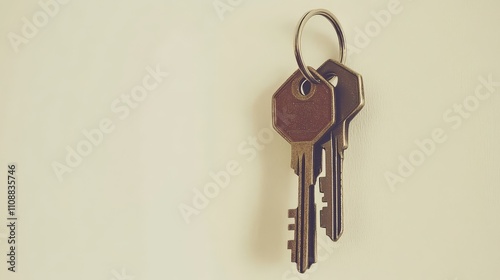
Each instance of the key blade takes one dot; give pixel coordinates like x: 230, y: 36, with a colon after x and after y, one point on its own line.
x: 292, y: 244
x: 331, y: 216
x: 303, y: 247
x: 349, y: 99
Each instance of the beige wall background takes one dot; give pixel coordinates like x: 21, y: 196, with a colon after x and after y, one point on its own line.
x: 142, y: 136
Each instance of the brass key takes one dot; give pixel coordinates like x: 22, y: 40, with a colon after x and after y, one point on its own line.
x: 303, y: 119
x: 349, y: 99
x: 313, y: 115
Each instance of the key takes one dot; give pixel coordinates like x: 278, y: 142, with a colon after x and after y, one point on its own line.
x: 302, y: 120
x: 349, y: 99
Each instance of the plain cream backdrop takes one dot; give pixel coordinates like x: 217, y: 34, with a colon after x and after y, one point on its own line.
x: 116, y: 215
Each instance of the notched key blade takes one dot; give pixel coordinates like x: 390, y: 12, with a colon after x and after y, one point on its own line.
x: 292, y: 244
x: 331, y: 186
x: 293, y: 247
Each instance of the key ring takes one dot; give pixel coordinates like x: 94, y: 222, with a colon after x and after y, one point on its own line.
x: 298, y: 53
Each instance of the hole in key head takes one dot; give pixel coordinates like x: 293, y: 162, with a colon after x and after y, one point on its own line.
x: 305, y: 87
x: 332, y: 78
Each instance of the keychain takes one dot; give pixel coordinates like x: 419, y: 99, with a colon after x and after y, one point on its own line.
x: 313, y: 115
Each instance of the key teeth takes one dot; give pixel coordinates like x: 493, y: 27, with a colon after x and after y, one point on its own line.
x: 321, y: 185
x: 291, y: 246
x: 323, y: 221
x: 322, y: 217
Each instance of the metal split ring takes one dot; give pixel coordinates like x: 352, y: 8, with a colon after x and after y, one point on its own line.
x: 298, y: 53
